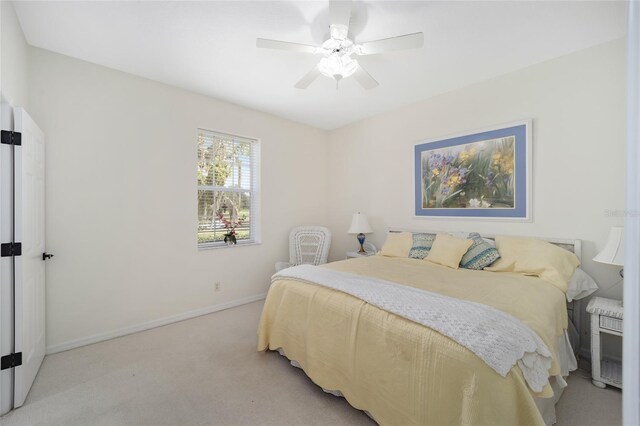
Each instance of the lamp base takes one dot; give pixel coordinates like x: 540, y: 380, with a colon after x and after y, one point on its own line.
x: 360, y: 238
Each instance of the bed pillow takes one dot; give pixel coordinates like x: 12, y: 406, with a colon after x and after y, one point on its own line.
x: 397, y: 244
x: 530, y: 256
x: 581, y: 285
x: 422, y: 243
x: 490, y: 242
x: 480, y: 254
x: 448, y: 250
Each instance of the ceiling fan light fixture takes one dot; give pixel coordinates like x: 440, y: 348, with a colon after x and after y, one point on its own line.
x: 339, y: 32
x: 337, y: 66
x: 338, y: 49
x: 337, y: 46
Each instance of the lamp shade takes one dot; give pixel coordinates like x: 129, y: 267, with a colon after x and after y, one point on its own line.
x: 613, y: 251
x: 359, y: 224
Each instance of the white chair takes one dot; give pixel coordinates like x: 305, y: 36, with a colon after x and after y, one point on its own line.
x: 307, y: 245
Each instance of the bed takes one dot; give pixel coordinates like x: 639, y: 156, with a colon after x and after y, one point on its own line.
x: 402, y: 372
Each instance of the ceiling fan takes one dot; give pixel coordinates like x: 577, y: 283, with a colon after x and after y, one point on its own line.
x: 337, y: 62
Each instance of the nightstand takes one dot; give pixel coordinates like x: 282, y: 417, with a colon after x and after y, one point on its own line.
x: 354, y: 254
x: 606, y: 317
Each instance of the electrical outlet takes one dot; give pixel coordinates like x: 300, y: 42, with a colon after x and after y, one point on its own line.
x: 216, y: 286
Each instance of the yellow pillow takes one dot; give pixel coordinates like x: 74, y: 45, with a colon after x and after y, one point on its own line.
x: 529, y: 256
x: 448, y: 250
x: 397, y: 244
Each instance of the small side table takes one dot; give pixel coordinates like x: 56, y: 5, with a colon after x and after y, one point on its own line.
x: 354, y: 254
x: 606, y: 317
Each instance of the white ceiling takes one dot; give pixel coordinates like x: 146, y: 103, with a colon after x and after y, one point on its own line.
x: 209, y: 47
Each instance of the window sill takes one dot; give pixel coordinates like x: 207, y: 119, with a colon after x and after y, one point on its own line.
x: 211, y: 246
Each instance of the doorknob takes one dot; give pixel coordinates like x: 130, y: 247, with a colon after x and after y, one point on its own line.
x: 46, y: 256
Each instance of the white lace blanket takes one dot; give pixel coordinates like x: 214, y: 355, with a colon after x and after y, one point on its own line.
x: 497, y: 338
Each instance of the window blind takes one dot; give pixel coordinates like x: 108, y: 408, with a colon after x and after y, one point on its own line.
x: 228, y: 188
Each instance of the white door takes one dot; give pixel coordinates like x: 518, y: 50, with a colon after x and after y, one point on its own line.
x: 29, y: 267
x: 6, y: 263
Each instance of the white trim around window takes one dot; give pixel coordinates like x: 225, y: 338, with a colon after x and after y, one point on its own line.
x: 228, y: 189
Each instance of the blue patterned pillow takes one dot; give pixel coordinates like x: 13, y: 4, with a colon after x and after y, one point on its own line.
x: 480, y: 254
x: 422, y: 243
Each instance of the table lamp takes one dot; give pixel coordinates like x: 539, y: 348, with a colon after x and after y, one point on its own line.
x: 360, y: 225
x: 613, y: 251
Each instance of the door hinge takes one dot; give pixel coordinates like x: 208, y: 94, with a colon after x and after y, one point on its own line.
x: 10, y: 249
x: 11, y: 138
x: 11, y: 361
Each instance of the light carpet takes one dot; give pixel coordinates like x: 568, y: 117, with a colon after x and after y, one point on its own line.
x: 207, y: 371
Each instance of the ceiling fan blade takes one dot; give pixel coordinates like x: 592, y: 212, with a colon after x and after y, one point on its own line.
x: 285, y: 45
x: 409, y: 41
x: 364, y: 78
x: 308, y: 78
x: 339, y: 16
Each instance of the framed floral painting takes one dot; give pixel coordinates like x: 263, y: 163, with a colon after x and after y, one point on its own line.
x: 480, y: 175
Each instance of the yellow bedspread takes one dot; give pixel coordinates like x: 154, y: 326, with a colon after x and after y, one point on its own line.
x: 402, y: 372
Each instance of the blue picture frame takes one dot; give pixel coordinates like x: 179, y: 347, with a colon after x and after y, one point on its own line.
x: 481, y: 175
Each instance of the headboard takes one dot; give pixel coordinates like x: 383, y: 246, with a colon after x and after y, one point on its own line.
x: 574, y: 246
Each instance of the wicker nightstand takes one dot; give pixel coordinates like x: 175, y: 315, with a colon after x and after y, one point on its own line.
x: 606, y: 317
x: 354, y: 254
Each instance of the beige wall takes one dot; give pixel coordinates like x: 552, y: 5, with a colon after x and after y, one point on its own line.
x: 13, y: 61
x: 577, y: 106
x: 121, y: 197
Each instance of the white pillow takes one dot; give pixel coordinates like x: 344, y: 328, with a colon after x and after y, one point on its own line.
x: 490, y: 242
x: 580, y: 285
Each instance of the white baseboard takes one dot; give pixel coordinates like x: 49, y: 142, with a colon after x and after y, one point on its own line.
x: 83, y: 341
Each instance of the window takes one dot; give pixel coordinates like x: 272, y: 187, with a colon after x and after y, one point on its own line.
x: 228, y: 196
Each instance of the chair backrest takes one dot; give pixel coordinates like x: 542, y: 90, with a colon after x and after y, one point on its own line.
x: 309, y: 245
